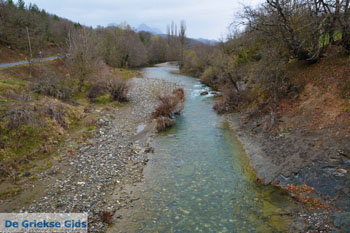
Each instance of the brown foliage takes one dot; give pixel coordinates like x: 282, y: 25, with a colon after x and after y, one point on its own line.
x: 180, y: 94
x: 107, y: 217
x: 97, y: 89
x: 118, y: 89
x: 55, y: 111
x: 231, y: 100
x: 51, y: 85
x: 163, y: 123
x: 115, y: 86
x: 170, y: 104
x: 21, y: 112
x: 303, y: 194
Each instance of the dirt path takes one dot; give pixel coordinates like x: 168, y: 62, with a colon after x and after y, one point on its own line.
x: 83, y: 180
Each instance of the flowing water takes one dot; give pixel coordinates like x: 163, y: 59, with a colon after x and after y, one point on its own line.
x: 199, y: 179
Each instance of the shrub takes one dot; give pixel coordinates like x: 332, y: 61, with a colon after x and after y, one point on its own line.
x: 210, y: 77
x: 97, y: 89
x: 107, y: 217
x: 52, y: 86
x: 55, y: 111
x: 21, y: 112
x: 165, y: 108
x: 118, y: 89
x: 163, y: 123
x: 170, y: 104
x: 231, y: 100
x: 179, y: 93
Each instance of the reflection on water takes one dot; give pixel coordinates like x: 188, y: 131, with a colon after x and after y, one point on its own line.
x: 200, y: 180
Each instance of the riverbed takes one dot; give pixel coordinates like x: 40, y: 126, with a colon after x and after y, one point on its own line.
x: 199, y: 178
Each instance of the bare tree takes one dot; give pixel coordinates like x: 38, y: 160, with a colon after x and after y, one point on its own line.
x: 182, y: 38
x: 30, y: 53
x: 302, y: 25
x: 83, y: 54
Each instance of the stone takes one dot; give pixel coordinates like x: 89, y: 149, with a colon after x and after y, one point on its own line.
x: 342, y: 221
x: 26, y: 173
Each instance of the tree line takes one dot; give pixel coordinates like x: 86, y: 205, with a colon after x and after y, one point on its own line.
x: 117, y: 46
x: 251, y: 66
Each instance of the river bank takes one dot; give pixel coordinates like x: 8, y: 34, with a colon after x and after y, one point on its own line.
x: 194, y: 176
x: 301, y: 157
x: 198, y: 178
x: 83, y: 178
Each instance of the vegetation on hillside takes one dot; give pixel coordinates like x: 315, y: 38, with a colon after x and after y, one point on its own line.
x: 35, y: 33
x: 260, y: 66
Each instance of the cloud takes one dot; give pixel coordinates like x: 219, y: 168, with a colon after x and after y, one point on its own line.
x: 204, y: 18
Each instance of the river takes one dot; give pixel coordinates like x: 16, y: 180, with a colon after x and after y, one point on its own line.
x: 199, y: 178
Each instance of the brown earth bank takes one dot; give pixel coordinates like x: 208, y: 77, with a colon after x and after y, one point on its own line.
x: 307, y: 151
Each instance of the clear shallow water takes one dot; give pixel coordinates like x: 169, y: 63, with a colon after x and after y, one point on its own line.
x: 199, y: 179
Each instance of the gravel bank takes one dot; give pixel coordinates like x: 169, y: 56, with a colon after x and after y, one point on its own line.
x: 84, y: 180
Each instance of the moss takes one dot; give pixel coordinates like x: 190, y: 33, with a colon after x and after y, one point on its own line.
x: 10, y: 192
x: 91, y: 128
x: 126, y: 73
x: 103, y: 99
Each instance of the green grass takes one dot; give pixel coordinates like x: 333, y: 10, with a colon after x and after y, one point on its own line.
x: 11, y: 84
x: 91, y: 128
x: 103, y: 99
x: 126, y: 73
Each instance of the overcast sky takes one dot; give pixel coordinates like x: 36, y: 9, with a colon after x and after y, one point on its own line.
x: 204, y: 18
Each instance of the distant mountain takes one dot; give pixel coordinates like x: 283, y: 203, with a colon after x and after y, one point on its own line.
x: 155, y: 31
x: 206, y: 41
x: 143, y: 27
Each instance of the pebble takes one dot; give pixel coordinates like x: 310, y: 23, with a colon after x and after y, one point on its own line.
x: 106, y: 160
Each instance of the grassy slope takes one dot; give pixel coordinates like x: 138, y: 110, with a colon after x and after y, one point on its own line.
x: 32, y: 147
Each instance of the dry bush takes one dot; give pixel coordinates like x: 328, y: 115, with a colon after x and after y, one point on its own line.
x: 55, y: 111
x: 53, y: 86
x: 21, y: 97
x: 180, y: 94
x: 98, y: 88
x: 107, y: 217
x: 165, y: 108
x: 170, y: 104
x: 115, y: 86
x: 18, y: 115
x: 163, y: 123
x: 90, y: 122
x: 118, y: 89
x: 231, y: 100
x: 21, y: 112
